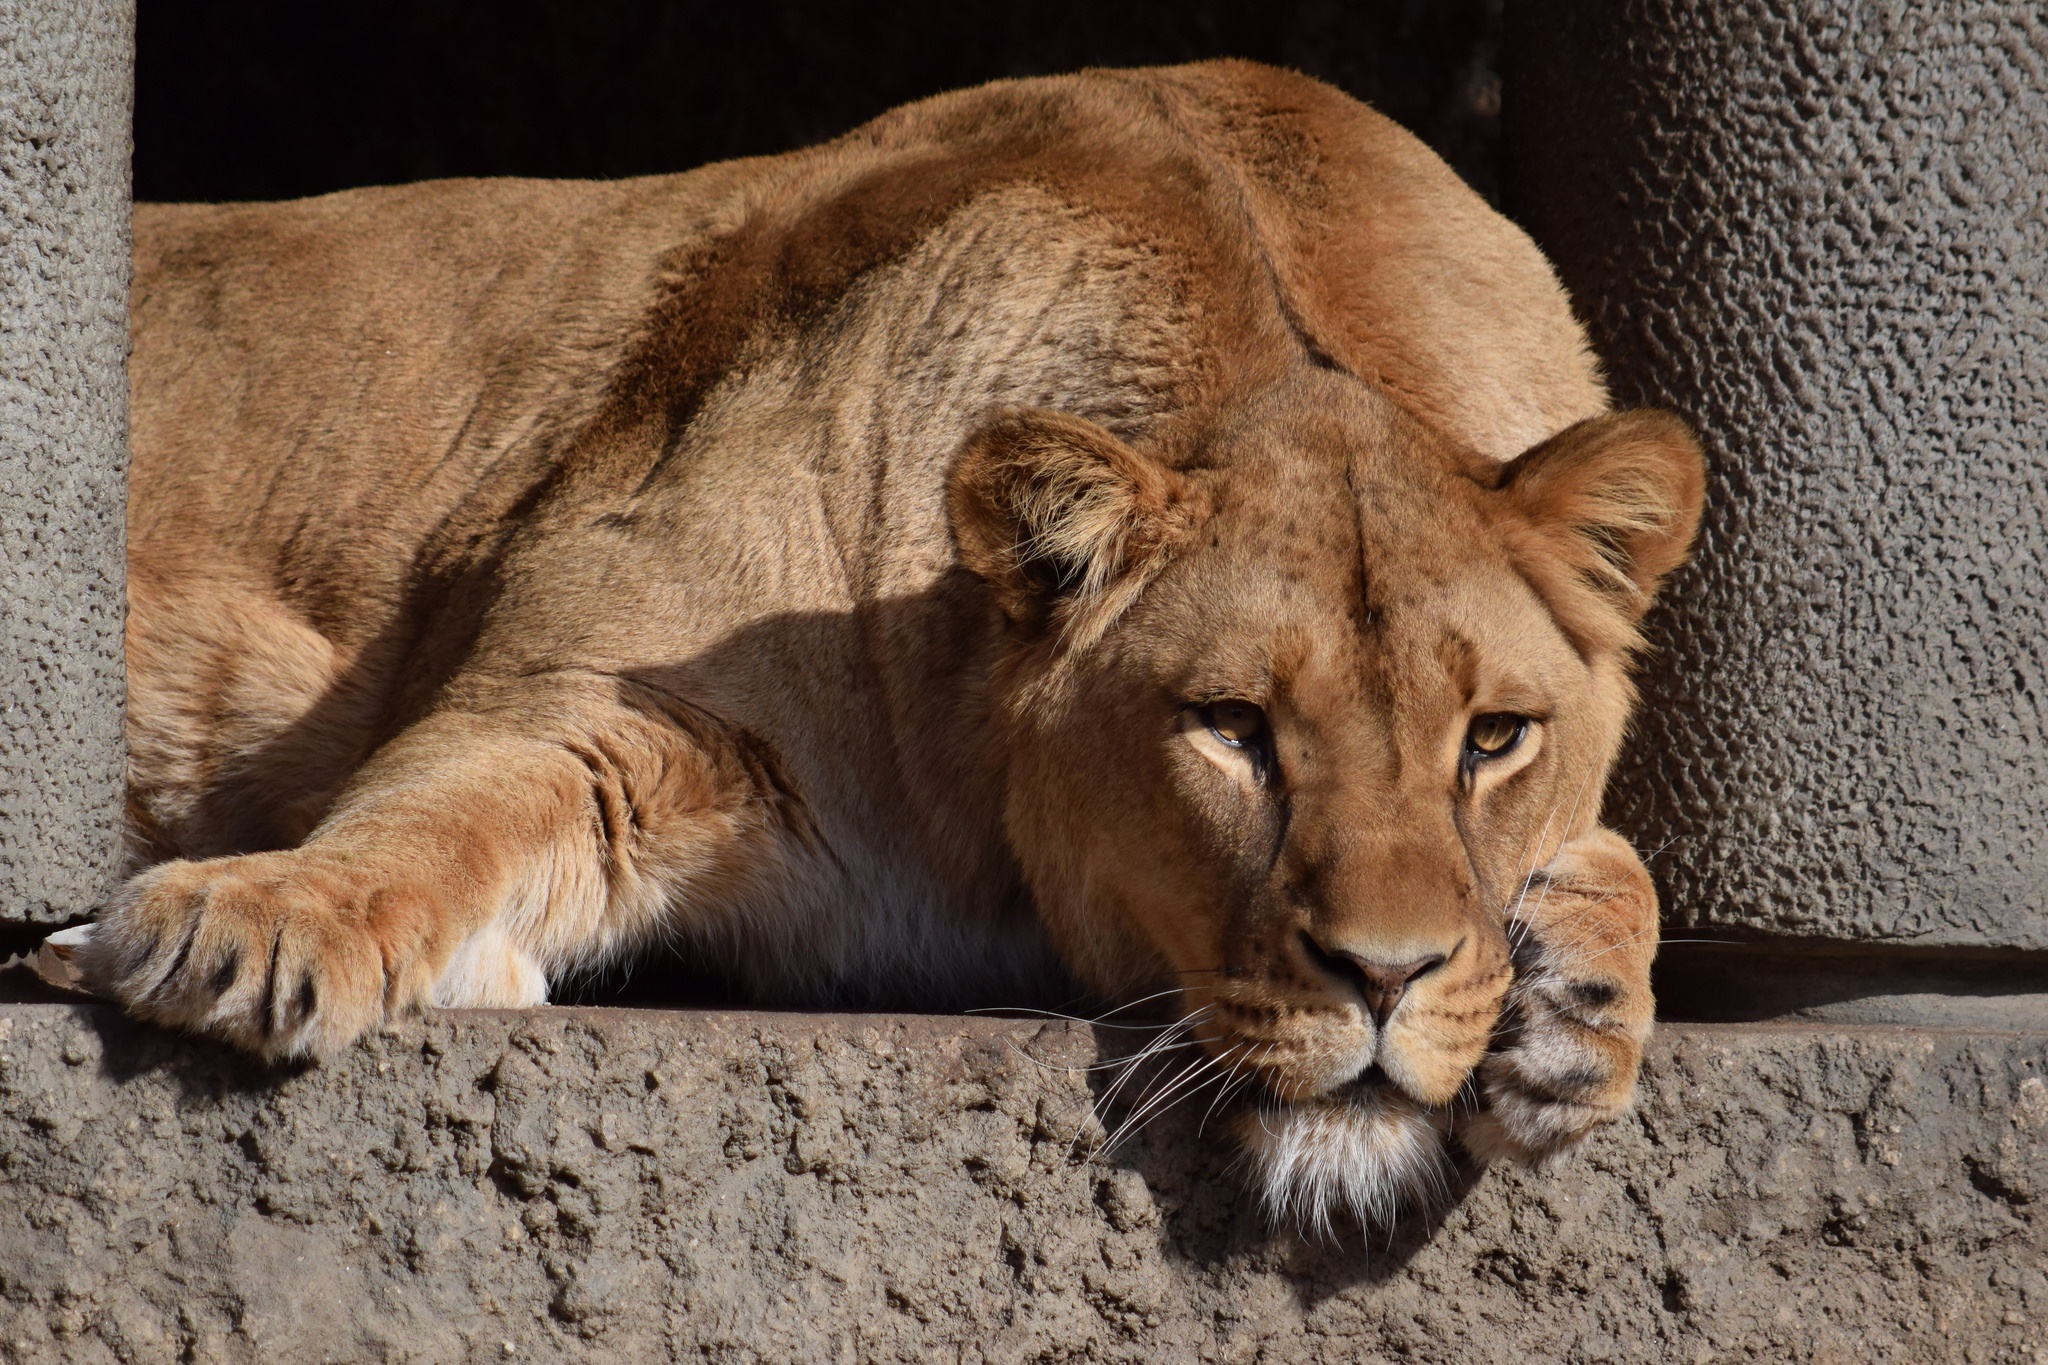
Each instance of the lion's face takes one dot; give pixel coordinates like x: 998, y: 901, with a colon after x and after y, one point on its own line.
x: 1292, y: 726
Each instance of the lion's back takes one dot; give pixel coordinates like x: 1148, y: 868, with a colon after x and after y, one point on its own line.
x: 1394, y: 266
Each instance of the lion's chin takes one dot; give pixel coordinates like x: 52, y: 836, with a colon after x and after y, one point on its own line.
x: 1374, y: 1153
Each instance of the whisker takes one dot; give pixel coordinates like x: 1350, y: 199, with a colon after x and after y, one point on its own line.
x: 1545, y: 896
x: 1659, y: 851
x: 1072, y: 1069
x: 1158, y: 1046
x: 1619, y: 943
x: 1158, y: 1107
x: 1261, y: 1111
x: 1131, y: 1065
x: 1514, y: 918
x: 1100, y: 1020
x: 1587, y: 933
x: 1238, y: 1054
x: 1138, y: 1104
x: 1232, y: 1088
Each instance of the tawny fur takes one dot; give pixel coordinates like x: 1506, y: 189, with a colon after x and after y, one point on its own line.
x: 818, y: 563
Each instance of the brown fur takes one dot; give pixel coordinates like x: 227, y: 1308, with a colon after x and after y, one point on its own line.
x: 818, y: 561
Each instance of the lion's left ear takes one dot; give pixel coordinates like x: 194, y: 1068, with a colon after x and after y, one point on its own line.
x: 1060, y: 518
x: 1609, y: 506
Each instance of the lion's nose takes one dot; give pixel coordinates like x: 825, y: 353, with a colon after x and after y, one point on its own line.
x: 1380, y: 983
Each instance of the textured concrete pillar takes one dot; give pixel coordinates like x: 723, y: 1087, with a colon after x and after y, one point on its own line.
x: 1821, y: 231
x: 66, y: 71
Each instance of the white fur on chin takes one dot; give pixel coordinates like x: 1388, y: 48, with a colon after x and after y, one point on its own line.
x: 1376, y: 1156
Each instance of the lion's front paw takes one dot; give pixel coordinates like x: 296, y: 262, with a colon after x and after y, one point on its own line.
x: 1580, y: 1008
x: 280, y: 953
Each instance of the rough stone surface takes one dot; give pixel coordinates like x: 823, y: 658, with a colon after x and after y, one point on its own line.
x: 65, y: 69
x: 641, y: 1185
x: 1822, y: 233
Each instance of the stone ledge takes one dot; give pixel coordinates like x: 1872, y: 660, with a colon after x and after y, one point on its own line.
x: 648, y: 1185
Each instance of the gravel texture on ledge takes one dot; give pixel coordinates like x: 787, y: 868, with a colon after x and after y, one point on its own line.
x: 617, y: 1185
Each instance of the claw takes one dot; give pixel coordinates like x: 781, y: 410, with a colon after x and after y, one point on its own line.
x: 56, y: 961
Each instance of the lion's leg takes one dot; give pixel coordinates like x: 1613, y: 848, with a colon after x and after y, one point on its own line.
x: 546, y: 827
x: 1580, y: 1009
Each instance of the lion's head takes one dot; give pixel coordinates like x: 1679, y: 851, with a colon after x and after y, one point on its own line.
x: 1296, y: 703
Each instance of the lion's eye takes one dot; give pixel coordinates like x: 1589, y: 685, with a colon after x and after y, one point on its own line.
x: 1236, y: 723
x: 1493, y: 736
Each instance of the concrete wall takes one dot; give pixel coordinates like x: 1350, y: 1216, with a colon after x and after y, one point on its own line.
x: 1821, y: 232
x: 641, y: 1186
x: 65, y: 77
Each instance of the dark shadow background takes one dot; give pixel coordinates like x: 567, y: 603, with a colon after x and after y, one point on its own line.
x: 254, y: 99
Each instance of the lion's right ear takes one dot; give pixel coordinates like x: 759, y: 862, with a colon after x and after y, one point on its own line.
x: 1062, y: 520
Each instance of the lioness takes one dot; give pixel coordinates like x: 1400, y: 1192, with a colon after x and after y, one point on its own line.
x: 1156, y: 526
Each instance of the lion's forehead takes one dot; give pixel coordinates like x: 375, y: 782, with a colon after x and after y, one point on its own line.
x: 1310, y: 597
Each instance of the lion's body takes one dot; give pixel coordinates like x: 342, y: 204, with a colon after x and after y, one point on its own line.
x: 343, y: 404
x: 594, y: 540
